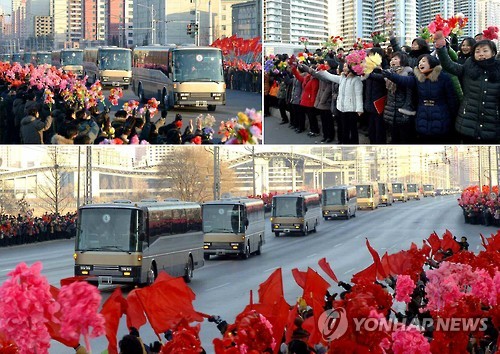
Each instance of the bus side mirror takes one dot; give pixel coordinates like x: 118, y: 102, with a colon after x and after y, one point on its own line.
x: 305, y: 209
x: 142, y: 237
x: 246, y: 222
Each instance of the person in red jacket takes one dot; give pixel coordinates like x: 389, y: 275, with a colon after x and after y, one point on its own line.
x: 310, y: 86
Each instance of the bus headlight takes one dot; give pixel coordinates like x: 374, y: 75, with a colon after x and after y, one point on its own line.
x: 125, y: 79
x: 184, y: 95
x: 126, y: 269
x: 234, y: 245
x: 207, y: 245
x: 105, y: 78
x: 84, y: 267
x: 276, y: 226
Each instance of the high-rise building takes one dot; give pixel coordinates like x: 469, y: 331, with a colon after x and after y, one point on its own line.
x: 288, y: 20
x: 246, y: 19
x: 226, y: 17
x: 488, y: 14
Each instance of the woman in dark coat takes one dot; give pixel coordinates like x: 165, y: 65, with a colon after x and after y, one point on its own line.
x: 436, y: 99
x: 399, y: 111
x: 478, y: 118
x: 465, y: 49
x: 418, y: 47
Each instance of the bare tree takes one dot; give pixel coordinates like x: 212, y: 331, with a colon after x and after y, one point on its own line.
x: 55, y: 193
x: 188, y: 174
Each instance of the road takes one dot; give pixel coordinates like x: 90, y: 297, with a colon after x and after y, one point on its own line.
x: 222, y: 286
x: 236, y: 101
x: 275, y: 133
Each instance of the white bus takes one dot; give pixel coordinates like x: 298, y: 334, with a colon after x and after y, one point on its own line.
x: 429, y: 190
x: 42, y: 58
x: 339, y: 201
x: 112, y: 66
x: 233, y: 226
x: 179, y: 76
x: 69, y: 60
x: 399, y: 192
x: 129, y: 243
x: 368, y: 195
x: 298, y: 212
x: 413, y: 191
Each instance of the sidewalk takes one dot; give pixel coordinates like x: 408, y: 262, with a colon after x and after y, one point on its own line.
x: 275, y: 133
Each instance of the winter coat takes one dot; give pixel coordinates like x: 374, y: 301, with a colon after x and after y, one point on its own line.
x: 436, y: 101
x: 32, y: 129
x: 400, y: 99
x: 478, y: 116
x: 324, y: 97
x: 350, y: 97
x: 310, y: 86
x: 60, y: 140
x: 296, y: 91
x: 88, y: 127
x: 372, y: 90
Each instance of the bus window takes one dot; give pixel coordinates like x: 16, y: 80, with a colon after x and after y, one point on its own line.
x: 287, y: 207
x: 222, y: 218
x: 113, y: 230
x: 335, y: 197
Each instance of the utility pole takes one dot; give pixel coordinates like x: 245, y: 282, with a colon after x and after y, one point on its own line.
x: 216, y: 174
x: 152, y: 24
x: 88, y: 176
x: 253, y: 172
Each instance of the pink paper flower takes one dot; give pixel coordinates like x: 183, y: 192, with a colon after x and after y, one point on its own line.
x: 410, y: 341
x: 404, y: 288
x: 80, y: 303
x: 484, y: 288
x: 26, y: 307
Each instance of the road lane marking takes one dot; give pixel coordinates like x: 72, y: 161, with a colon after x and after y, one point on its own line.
x: 6, y: 270
x: 312, y: 255
x: 338, y: 245
x: 270, y: 269
x: 349, y: 271
x: 217, y: 287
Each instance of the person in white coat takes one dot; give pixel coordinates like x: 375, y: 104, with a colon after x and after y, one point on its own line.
x: 349, y: 101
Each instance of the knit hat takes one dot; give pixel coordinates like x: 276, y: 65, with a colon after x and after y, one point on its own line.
x: 178, y: 116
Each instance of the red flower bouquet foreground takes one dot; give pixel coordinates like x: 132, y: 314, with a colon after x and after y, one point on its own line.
x: 450, y: 298
x: 480, y: 205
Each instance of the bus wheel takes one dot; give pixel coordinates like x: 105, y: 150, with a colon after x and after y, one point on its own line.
x: 258, y: 252
x: 189, y: 271
x: 315, y: 226
x: 140, y: 94
x: 211, y: 107
x: 246, y: 254
x: 306, y: 230
x: 206, y: 257
x: 348, y: 215
x: 276, y: 233
x: 151, y: 275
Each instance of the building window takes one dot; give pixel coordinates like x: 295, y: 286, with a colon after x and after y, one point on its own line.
x: 223, y: 27
x: 223, y: 17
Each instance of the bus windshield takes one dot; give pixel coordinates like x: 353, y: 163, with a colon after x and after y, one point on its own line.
x: 287, y: 207
x: 115, y: 60
x: 113, y: 230
x: 381, y: 189
x: 397, y: 188
x: 222, y: 218
x: 44, y: 59
x: 335, y: 197
x: 192, y: 65
x: 16, y: 58
x: 428, y: 188
x: 364, y: 191
x: 72, y: 58
x: 412, y: 188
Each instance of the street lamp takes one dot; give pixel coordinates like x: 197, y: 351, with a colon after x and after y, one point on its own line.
x: 152, y: 21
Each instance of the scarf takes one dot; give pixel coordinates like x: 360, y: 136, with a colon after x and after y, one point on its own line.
x: 391, y: 86
x: 491, y: 66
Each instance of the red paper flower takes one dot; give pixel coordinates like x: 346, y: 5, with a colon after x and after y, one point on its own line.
x: 491, y: 33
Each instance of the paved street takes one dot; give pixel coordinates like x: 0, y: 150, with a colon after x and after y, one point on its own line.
x: 275, y: 133
x: 222, y: 286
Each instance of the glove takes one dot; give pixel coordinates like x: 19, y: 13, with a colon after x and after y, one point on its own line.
x: 387, y: 73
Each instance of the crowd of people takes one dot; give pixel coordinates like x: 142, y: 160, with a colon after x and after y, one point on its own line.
x: 23, y: 229
x: 445, y: 92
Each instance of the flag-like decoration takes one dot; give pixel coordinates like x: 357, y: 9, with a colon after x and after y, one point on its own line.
x: 271, y: 290
x: 112, y: 310
x: 300, y: 277
x: 325, y: 266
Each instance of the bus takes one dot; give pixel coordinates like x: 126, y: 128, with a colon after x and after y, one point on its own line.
x: 429, y: 190
x: 43, y: 58
x: 297, y: 212
x: 368, y: 195
x: 413, y: 191
x: 233, y: 226
x: 112, y: 66
x: 28, y: 58
x: 69, y: 60
x: 17, y: 58
x: 399, y: 192
x: 179, y: 76
x: 385, y: 194
x: 339, y: 201
x: 5, y: 58
x: 130, y: 242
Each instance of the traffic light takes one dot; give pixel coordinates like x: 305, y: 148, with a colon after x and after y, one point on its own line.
x: 196, y: 28
x: 189, y: 29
